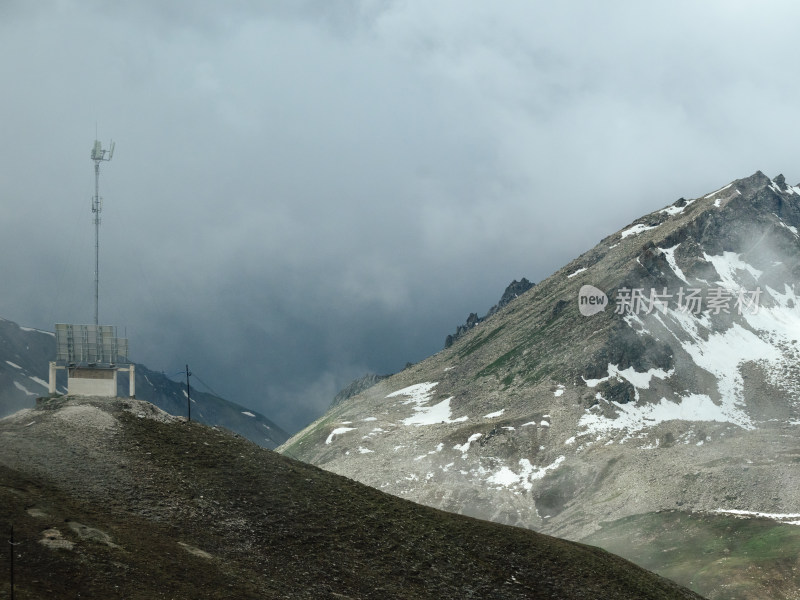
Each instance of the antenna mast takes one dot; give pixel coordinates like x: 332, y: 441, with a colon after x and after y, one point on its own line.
x: 98, y: 155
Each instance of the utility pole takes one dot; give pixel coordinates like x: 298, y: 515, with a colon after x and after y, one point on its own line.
x: 12, y: 561
x: 188, y: 394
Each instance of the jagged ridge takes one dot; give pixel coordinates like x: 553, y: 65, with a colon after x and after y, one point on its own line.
x: 514, y: 289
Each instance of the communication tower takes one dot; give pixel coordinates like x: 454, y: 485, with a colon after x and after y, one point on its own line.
x: 92, y: 354
x: 98, y: 155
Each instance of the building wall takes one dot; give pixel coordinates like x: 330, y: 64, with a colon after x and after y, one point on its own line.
x: 92, y: 382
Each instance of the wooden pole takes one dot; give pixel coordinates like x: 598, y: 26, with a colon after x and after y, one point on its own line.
x: 12, y: 562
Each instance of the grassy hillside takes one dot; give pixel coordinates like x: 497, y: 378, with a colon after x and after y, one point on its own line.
x: 719, y: 556
x: 118, y: 500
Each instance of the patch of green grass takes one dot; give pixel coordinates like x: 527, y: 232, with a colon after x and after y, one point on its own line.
x: 537, y: 376
x: 312, y: 435
x: 501, y: 362
x: 719, y: 556
x: 478, y: 342
x: 777, y: 542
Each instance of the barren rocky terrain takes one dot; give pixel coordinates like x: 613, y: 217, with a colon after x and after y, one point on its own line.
x: 577, y: 425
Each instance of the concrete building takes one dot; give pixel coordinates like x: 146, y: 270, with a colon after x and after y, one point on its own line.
x: 92, y: 355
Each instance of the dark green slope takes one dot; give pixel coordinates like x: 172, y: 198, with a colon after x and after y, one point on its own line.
x: 117, y: 500
x: 722, y: 556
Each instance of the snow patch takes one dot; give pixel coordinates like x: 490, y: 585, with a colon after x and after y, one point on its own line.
x: 38, y: 331
x: 781, y: 325
x: 494, y: 414
x: 722, y: 353
x: 338, y: 431
x: 23, y: 389
x: 633, y: 418
x: 726, y: 265
x: 15, y: 365
x: 248, y: 413
x: 581, y: 270
x: 505, y: 477
x: 431, y: 415
x: 669, y: 254
x: 41, y: 382
x: 463, y: 448
x: 718, y: 191
x: 419, y: 394
x: 676, y: 210
x: 787, y: 518
x: 637, y: 229
x: 594, y: 382
x: 639, y: 380
x: 791, y: 228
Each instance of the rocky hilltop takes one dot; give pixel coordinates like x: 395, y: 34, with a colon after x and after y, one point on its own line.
x: 118, y: 499
x: 649, y: 385
x: 24, y: 357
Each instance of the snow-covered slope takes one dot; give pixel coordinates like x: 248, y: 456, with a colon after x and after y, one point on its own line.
x: 682, y: 392
x: 24, y: 356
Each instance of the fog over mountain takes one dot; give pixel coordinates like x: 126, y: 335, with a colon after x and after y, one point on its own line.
x: 303, y: 192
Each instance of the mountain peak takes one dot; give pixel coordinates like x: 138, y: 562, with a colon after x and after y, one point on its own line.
x: 656, y: 371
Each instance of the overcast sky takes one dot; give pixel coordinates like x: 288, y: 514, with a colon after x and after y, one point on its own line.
x: 304, y: 191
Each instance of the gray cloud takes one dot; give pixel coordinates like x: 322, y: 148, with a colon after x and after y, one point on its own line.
x: 304, y: 191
